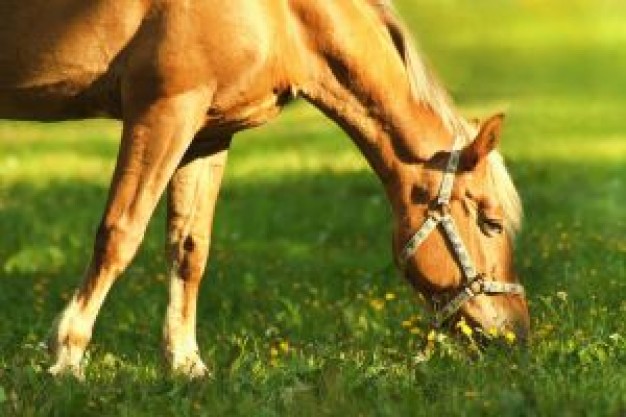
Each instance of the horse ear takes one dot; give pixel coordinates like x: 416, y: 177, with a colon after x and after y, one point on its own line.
x: 487, y: 140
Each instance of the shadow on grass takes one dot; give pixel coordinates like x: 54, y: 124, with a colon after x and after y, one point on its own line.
x: 286, y: 229
x: 282, y: 247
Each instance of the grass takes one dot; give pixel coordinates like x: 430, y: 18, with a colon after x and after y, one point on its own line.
x: 297, y: 314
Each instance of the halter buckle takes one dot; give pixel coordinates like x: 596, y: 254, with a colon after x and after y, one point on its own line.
x: 438, y: 210
x: 477, y: 286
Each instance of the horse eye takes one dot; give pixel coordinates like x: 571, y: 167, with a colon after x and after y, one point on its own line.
x: 491, y: 227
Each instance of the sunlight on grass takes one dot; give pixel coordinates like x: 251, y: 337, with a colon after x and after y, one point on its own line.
x: 53, y: 166
x: 80, y: 133
x: 608, y: 149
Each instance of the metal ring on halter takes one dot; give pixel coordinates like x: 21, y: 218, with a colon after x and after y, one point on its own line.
x: 477, y: 286
x: 439, y: 210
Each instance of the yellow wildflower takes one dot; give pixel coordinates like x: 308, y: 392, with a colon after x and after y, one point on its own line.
x: 273, y: 352
x: 284, y: 346
x: 510, y: 337
x: 377, y: 304
x: 465, y: 329
x: 493, y: 332
x: 407, y: 323
x: 432, y: 335
x: 390, y: 296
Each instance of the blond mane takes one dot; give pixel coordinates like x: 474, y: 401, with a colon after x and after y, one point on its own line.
x: 427, y: 90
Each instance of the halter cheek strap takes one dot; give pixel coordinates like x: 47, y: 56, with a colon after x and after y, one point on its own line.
x: 474, y: 283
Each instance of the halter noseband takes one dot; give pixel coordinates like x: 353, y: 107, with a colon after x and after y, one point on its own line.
x: 474, y: 283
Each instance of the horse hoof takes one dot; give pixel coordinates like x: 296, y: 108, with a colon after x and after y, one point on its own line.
x: 60, y: 370
x: 198, y: 371
x: 192, y: 368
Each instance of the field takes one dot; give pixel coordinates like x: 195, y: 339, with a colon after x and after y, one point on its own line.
x: 299, y: 313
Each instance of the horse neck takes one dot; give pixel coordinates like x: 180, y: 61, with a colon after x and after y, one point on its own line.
x: 358, y: 78
x: 395, y: 143
x: 374, y: 104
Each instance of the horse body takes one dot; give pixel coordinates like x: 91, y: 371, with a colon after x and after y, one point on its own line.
x: 184, y: 76
x: 79, y: 58
x: 55, y: 54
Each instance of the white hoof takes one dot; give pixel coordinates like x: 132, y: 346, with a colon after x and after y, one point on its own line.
x: 67, y: 349
x: 65, y: 367
x: 190, y: 366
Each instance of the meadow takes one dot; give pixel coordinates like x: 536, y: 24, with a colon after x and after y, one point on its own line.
x: 300, y: 313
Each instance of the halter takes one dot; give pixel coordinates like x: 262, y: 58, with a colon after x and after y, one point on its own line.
x: 474, y: 283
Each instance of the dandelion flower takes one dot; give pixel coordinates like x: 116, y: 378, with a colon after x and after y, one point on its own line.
x: 432, y: 335
x: 510, y: 337
x: 377, y: 304
x: 465, y: 329
x: 273, y: 352
x: 493, y: 332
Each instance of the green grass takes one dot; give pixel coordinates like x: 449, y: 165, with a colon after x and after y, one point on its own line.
x: 302, y: 234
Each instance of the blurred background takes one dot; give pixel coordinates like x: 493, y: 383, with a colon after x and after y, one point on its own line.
x: 557, y: 66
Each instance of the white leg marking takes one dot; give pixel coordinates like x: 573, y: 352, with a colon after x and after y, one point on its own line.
x: 181, y: 348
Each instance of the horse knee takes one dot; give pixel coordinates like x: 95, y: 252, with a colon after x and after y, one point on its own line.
x: 115, y: 247
x: 189, y: 254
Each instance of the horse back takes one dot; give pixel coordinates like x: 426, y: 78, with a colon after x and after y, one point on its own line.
x: 64, y: 59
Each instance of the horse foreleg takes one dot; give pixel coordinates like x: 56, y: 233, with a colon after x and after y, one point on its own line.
x: 193, y: 192
x: 154, y: 140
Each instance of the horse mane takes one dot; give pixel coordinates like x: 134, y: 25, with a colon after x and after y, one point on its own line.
x: 427, y: 89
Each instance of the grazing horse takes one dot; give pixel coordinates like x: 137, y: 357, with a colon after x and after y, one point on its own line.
x: 184, y: 76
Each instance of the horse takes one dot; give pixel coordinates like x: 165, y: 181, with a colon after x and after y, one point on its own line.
x: 185, y: 76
